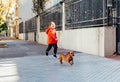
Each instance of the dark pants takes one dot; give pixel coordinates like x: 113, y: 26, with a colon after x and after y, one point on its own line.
x: 50, y: 46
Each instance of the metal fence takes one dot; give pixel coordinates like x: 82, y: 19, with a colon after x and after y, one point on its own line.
x: 79, y: 14
x: 52, y: 14
x: 85, y: 13
x: 21, y: 28
x: 118, y: 11
x: 31, y: 25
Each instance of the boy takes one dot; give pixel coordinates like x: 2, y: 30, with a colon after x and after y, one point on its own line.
x: 52, y: 38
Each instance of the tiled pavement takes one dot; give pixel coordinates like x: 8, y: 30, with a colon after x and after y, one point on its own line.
x: 40, y: 68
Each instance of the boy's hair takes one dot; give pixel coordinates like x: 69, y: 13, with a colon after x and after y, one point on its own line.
x: 52, y: 23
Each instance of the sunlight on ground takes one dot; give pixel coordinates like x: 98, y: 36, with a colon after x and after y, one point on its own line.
x: 8, y: 72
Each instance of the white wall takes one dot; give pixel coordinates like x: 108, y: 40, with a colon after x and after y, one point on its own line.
x: 22, y: 36
x: 97, y: 41
x: 110, y: 40
x: 83, y: 40
x: 31, y: 36
x: 42, y: 38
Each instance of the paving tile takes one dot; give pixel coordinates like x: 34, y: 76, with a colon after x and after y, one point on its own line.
x: 26, y: 62
x: 47, y: 69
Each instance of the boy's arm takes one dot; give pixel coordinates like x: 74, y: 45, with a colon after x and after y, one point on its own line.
x: 53, y: 34
x: 47, y: 30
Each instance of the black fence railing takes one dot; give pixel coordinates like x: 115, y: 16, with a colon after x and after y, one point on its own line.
x: 86, y: 13
x: 78, y: 14
x: 21, y: 28
x: 31, y: 25
x: 52, y: 14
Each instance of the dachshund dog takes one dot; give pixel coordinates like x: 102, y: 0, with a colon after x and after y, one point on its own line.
x: 68, y: 57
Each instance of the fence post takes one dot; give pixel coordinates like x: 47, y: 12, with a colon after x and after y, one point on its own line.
x: 104, y: 12
x: 38, y: 28
x: 24, y: 31
x: 63, y: 16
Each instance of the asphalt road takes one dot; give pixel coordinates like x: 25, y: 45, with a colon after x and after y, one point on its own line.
x: 20, y: 48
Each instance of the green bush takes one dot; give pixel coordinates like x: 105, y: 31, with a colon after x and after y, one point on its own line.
x: 3, y: 27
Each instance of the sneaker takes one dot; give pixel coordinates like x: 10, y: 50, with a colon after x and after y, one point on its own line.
x: 46, y: 53
x: 55, y: 56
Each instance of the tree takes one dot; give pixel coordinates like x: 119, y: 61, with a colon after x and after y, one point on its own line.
x: 38, y: 6
x: 4, y: 12
x: 3, y: 27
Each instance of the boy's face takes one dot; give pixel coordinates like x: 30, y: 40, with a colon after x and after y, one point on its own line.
x: 52, y: 25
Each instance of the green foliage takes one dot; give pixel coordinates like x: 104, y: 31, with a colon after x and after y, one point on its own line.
x: 3, y: 27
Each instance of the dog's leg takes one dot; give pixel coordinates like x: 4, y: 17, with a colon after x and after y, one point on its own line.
x: 71, y: 62
x: 60, y: 60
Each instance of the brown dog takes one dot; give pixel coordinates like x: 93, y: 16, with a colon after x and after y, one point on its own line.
x: 68, y: 57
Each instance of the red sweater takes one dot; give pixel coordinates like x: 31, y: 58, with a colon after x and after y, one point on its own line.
x: 52, y: 37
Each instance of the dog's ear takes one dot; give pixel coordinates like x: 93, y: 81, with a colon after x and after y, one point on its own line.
x: 73, y: 53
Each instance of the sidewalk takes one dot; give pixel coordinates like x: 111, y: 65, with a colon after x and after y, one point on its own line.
x: 26, y: 62
x: 115, y: 57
